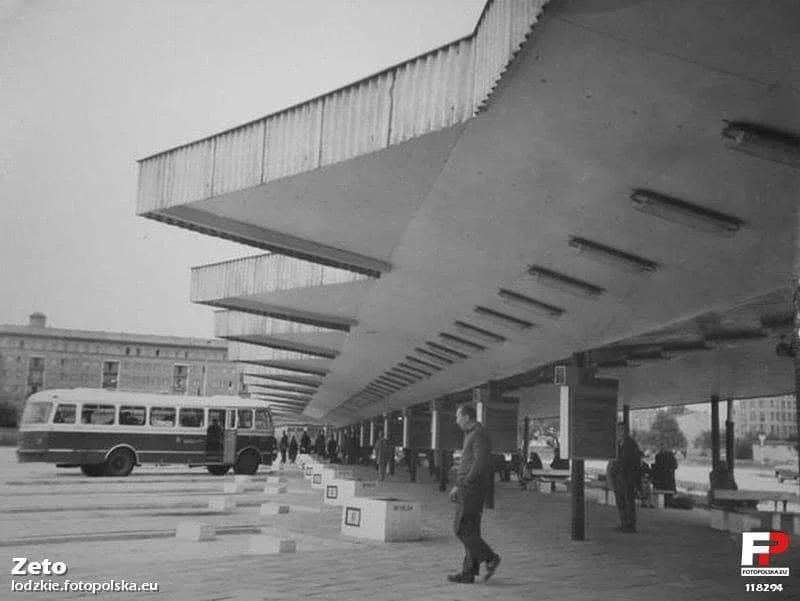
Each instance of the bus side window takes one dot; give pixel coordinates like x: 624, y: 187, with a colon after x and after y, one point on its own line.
x: 98, y: 415
x: 191, y: 418
x: 132, y: 416
x: 217, y: 414
x: 65, y: 414
x: 162, y: 417
x: 245, y: 419
x: 262, y: 419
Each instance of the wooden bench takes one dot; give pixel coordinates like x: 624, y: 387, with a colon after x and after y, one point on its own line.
x: 737, y: 519
x: 548, y: 481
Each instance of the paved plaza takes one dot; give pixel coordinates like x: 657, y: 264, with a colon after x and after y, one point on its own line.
x: 105, y: 529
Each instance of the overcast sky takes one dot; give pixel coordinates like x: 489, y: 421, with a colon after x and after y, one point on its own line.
x: 88, y: 87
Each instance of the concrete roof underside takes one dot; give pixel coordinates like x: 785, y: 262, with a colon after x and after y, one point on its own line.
x: 605, y: 97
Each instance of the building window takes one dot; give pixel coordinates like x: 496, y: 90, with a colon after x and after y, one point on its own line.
x: 35, y: 374
x: 158, y: 352
x: 110, y: 375
x: 127, y: 350
x: 21, y: 344
x: 138, y: 352
x: 180, y: 375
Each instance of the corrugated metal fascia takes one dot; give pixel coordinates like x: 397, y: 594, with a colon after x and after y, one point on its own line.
x: 231, y: 323
x: 262, y: 274
x: 237, y: 159
x: 242, y: 351
x: 503, y: 28
x: 433, y: 91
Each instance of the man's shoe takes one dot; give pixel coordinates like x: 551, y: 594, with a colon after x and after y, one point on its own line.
x: 462, y: 578
x: 491, y: 566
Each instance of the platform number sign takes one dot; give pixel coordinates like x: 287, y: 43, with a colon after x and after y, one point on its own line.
x: 352, y: 517
x: 331, y: 492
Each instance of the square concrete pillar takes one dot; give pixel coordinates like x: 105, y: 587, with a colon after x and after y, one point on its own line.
x: 273, y: 509
x: 382, y: 519
x: 223, y: 504
x: 195, y: 531
x: 264, y: 544
x: 338, y: 492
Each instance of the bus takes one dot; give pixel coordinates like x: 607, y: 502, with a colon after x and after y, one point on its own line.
x: 108, y: 433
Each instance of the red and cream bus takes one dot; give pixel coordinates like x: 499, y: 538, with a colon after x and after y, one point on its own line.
x: 107, y: 433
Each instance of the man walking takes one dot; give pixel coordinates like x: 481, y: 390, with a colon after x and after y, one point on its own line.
x: 472, y: 485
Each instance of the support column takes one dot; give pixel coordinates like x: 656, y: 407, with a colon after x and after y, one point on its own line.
x: 714, y: 431
x: 409, y: 453
x: 387, y: 424
x: 362, y: 435
x: 730, y: 437
x: 372, y: 432
x: 577, y: 500
x: 526, y: 439
x: 626, y: 418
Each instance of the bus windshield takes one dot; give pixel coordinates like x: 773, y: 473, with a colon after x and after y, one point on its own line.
x: 37, y: 413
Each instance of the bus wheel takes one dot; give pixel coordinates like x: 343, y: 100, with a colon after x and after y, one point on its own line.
x: 247, y: 463
x: 120, y: 463
x: 93, y: 471
x: 218, y: 470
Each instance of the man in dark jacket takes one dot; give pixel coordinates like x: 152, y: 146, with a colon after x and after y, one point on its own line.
x: 627, y: 478
x: 472, y: 485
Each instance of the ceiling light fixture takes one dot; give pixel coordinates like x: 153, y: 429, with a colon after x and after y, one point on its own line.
x: 485, y: 335
x: 763, y: 142
x: 416, y: 361
x: 520, y: 300
x: 461, y: 342
x: 503, y: 318
x: 685, y: 213
x: 431, y: 356
x: 447, y: 350
x: 564, y: 283
x: 612, y: 256
x: 415, y: 370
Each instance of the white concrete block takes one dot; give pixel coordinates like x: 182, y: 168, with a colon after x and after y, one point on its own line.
x: 544, y: 486
x: 273, y: 509
x: 611, y: 498
x: 275, y: 489
x: 233, y: 488
x: 560, y: 487
x: 743, y: 522
x: 337, y: 492
x: 382, y: 519
x: 277, y: 479
x: 264, y: 544
x: 195, y: 531
x: 222, y: 504
x: 658, y: 500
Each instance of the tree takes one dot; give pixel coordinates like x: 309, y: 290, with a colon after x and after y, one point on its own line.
x: 666, y: 431
x: 703, y: 440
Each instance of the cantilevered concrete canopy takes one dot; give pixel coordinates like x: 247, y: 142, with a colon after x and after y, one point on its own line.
x: 504, y: 202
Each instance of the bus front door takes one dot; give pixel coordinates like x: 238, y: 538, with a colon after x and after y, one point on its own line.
x: 229, y: 444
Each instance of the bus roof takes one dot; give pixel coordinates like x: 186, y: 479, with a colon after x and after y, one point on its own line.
x: 96, y: 395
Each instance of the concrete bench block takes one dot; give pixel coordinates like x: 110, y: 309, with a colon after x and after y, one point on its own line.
x: 277, y: 479
x: 544, y: 486
x: 743, y: 522
x: 384, y: 520
x: 233, y: 488
x: 264, y: 544
x: 275, y: 489
x: 222, y: 504
x: 659, y: 500
x: 560, y: 487
x: 195, y: 531
x: 338, y: 492
x: 273, y: 509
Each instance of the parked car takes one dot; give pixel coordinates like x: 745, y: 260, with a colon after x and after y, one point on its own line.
x: 786, y: 472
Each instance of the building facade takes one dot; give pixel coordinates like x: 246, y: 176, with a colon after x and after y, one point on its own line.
x: 37, y: 357
x: 774, y: 417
